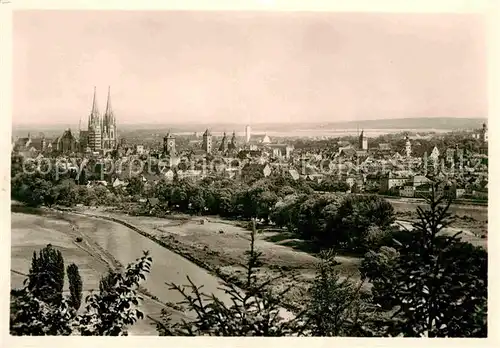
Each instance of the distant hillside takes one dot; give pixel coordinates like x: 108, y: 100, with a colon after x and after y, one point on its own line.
x: 445, y: 123
x: 440, y: 123
x: 412, y: 123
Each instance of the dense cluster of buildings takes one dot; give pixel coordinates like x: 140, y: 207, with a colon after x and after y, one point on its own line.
x: 100, y: 137
x: 364, y: 168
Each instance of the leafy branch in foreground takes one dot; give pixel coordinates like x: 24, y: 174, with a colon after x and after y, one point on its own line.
x: 335, y: 306
x: 108, y: 312
x: 255, y: 311
x: 435, y: 285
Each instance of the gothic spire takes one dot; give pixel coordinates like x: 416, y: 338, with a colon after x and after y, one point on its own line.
x: 95, y: 110
x: 94, y: 114
x: 109, y: 111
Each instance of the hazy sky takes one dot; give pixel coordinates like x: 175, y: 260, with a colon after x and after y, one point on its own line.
x: 176, y: 67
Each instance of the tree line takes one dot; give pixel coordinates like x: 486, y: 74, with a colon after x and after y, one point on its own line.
x: 425, y: 284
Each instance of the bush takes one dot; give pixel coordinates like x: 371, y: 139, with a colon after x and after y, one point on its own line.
x: 256, y: 311
x: 108, y: 312
x: 335, y: 305
x: 75, y: 286
x: 46, y: 276
x: 435, y: 285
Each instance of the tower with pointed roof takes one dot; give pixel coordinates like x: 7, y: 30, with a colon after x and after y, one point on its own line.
x: 223, y: 144
x: 232, y: 144
x: 94, y: 127
x: 207, y: 141
x: 109, y: 136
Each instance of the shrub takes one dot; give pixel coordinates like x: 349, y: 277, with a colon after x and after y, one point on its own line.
x: 108, y: 312
x: 256, y: 311
x: 335, y: 306
x: 75, y: 286
x: 46, y: 276
x: 437, y: 285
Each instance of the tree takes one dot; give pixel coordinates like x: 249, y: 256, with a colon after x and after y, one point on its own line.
x: 437, y: 285
x: 75, y: 286
x: 254, y: 311
x: 108, y: 312
x: 66, y: 193
x: 135, y: 186
x: 356, y: 218
x: 196, y: 201
x: 31, y: 316
x: 335, y: 305
x: 285, y: 212
x: 314, y: 217
x: 31, y: 189
x: 46, y: 276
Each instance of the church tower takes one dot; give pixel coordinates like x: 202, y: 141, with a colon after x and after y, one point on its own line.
x: 94, y: 127
x: 109, y: 136
x: 223, y: 144
x: 408, y: 147
x: 362, y: 141
x: 169, y: 145
x: 207, y: 141
x: 232, y: 144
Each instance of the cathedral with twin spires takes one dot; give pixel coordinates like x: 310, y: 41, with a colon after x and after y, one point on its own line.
x: 101, y: 132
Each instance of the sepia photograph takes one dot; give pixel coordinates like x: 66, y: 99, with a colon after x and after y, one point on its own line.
x: 249, y: 173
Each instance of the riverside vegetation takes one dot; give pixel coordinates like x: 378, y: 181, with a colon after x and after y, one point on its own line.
x: 424, y: 284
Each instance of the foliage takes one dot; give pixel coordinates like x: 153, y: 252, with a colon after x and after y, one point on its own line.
x: 75, y: 286
x: 353, y: 223
x: 46, y: 276
x: 34, y: 317
x: 356, y: 217
x: 135, y: 185
x: 257, y: 311
x: 335, y: 305
x: 436, y: 285
x: 108, y: 312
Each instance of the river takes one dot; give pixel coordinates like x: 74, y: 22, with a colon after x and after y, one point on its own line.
x: 107, y: 240
x: 125, y: 245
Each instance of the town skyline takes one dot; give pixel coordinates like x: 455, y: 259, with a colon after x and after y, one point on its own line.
x: 200, y: 67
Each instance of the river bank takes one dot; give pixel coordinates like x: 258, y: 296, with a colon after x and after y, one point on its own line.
x: 105, y: 245
x: 207, y: 249
x: 219, y: 246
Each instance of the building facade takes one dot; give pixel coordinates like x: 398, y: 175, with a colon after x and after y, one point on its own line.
x: 101, y: 134
x: 169, y: 145
x: 66, y: 143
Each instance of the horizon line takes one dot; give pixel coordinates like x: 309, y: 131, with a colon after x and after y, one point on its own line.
x: 260, y: 122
